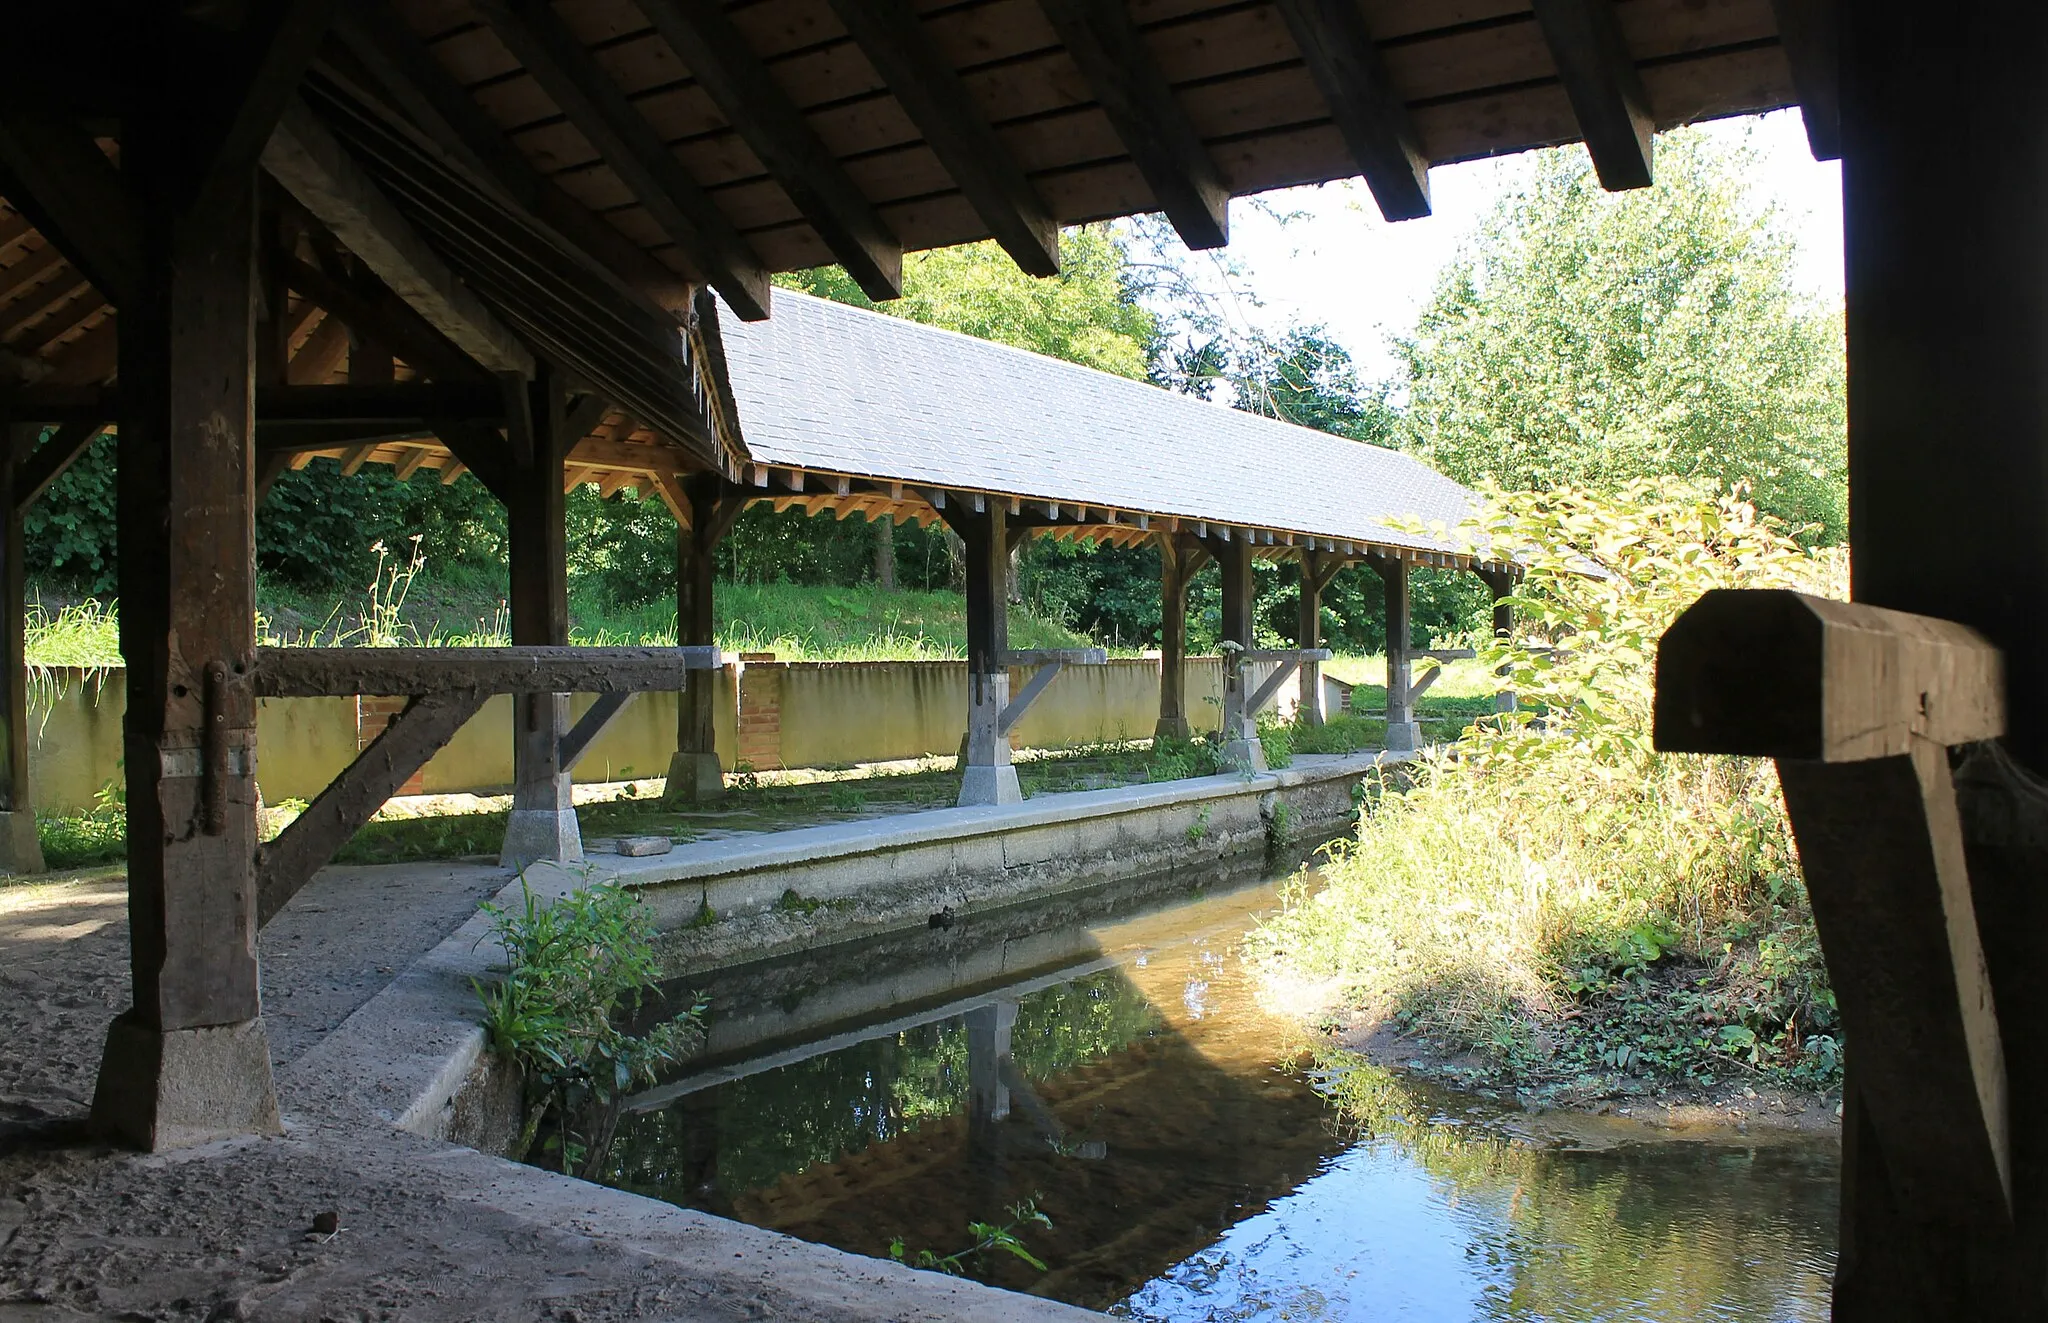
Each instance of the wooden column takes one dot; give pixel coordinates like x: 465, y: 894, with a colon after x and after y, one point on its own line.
x: 986, y: 776
x: 188, y: 1062
x: 1945, y: 200
x: 1240, y: 731
x: 20, y: 850
x: 1174, y: 573
x: 695, y: 775
x: 1404, y: 735
x: 1308, y: 633
x: 543, y: 822
x: 1501, y: 583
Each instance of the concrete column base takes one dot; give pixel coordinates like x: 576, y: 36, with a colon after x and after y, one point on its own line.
x: 694, y: 778
x: 537, y: 835
x: 1173, y: 728
x: 161, y: 1090
x: 1245, y: 753
x: 990, y: 785
x: 1403, y: 736
x: 21, y: 850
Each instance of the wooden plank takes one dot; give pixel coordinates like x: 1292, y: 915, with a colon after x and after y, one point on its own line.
x: 685, y: 213
x: 416, y: 734
x: 1135, y: 95
x: 701, y: 32
x: 59, y: 178
x: 1606, y: 91
x: 1347, y: 67
x: 325, y: 672
x: 265, y: 60
x: 1845, y: 681
x: 595, y: 720
x: 304, y: 157
x: 925, y: 84
x: 1811, y: 34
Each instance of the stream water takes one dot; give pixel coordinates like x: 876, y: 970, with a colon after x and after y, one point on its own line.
x: 1195, y: 1159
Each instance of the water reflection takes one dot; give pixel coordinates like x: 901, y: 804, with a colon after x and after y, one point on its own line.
x: 1198, y: 1166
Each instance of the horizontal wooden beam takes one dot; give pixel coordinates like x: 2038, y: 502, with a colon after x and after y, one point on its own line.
x: 304, y: 156
x: 1775, y: 674
x: 317, y: 672
x: 1605, y: 90
x: 1346, y: 65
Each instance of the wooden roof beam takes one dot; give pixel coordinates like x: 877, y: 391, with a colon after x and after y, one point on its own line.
x: 1810, y: 32
x: 1132, y: 91
x: 319, y: 172
x: 1606, y: 92
x: 931, y: 92
x: 1346, y: 65
x: 597, y: 108
x: 746, y: 93
x: 57, y: 177
x: 407, y: 72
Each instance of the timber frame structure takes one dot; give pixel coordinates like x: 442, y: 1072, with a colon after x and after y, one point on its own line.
x: 501, y: 215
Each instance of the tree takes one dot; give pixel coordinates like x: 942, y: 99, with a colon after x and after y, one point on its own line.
x: 1309, y: 380
x: 1589, y: 339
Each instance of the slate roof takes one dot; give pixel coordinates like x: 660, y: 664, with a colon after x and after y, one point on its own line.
x: 827, y: 387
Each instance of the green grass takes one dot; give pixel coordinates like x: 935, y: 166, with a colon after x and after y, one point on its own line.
x: 796, y: 623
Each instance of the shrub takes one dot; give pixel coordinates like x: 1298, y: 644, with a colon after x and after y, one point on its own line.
x: 1554, y: 893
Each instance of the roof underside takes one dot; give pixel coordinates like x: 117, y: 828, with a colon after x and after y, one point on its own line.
x: 584, y: 167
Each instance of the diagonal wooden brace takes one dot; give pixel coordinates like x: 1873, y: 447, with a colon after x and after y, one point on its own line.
x: 1859, y: 707
x: 428, y: 722
x: 593, y: 723
x: 1014, y: 711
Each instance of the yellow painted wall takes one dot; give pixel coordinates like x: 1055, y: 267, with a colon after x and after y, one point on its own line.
x: 832, y: 713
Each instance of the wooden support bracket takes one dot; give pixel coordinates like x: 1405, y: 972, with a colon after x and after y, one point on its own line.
x: 1050, y: 662
x: 593, y: 723
x: 1860, y: 707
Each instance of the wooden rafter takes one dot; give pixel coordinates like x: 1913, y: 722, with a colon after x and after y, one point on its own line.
x: 1132, y: 91
x: 1810, y: 32
x: 60, y: 179
x: 1346, y: 64
x: 924, y: 83
x: 1606, y: 91
x: 304, y: 157
x: 631, y: 147
x: 746, y: 93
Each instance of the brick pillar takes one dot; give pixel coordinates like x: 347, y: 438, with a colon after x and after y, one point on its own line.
x: 760, y: 723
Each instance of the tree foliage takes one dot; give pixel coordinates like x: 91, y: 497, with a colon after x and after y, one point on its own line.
x: 1589, y: 339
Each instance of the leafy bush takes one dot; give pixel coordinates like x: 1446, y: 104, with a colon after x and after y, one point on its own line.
x: 579, y: 972
x: 79, y: 840
x: 1556, y: 894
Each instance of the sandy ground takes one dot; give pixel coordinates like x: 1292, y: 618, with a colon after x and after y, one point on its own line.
x: 427, y: 1231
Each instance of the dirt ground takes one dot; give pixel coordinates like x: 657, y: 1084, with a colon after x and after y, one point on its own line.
x: 426, y: 1231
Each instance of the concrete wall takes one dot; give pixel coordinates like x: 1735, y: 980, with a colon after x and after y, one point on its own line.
x: 775, y: 714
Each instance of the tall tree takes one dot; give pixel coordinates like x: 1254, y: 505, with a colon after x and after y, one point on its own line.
x: 1590, y: 338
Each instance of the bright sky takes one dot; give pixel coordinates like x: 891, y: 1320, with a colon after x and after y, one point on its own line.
x: 1342, y: 265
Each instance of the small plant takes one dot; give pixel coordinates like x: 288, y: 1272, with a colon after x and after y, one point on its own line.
x: 743, y: 777
x: 987, y: 1238
x: 1276, y: 826
x: 578, y: 972
x: 97, y: 836
x: 1199, y: 827
x: 1181, y: 760
x: 1277, y: 740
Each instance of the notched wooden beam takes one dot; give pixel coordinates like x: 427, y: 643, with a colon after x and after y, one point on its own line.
x: 1347, y: 68
x: 1133, y: 92
x: 930, y: 90
x: 1606, y: 92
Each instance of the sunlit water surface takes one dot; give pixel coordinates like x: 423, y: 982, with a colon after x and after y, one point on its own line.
x: 1197, y: 1164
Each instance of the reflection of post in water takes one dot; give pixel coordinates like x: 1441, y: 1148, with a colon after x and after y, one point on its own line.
x: 989, y: 1030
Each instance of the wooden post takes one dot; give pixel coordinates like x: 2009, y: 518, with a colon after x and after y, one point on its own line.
x: 20, y: 850
x: 1308, y: 633
x: 543, y: 821
x: 1501, y: 583
x: 986, y: 776
x: 1947, y: 324
x: 1404, y: 734
x: 695, y: 775
x: 189, y: 1061
x: 1174, y: 573
x: 1241, y: 745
